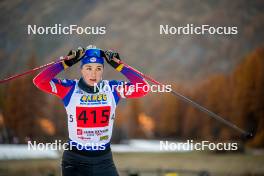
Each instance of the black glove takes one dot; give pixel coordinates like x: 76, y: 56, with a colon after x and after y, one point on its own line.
x: 77, y: 56
x: 109, y: 55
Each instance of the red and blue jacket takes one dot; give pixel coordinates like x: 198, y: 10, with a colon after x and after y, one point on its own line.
x: 90, y: 115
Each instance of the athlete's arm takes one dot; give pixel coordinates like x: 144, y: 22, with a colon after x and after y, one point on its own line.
x: 136, y: 87
x: 47, y: 82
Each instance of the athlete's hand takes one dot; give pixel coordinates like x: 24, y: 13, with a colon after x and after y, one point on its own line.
x: 112, y: 58
x: 77, y: 56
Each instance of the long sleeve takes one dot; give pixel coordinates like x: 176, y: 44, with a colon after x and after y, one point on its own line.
x: 47, y: 82
x: 136, y: 87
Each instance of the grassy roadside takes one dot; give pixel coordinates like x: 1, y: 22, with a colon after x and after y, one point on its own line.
x: 216, y: 164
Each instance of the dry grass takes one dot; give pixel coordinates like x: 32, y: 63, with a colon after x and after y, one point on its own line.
x: 217, y: 164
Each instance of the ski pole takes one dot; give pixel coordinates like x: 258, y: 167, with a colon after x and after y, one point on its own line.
x: 34, y: 69
x: 196, y: 105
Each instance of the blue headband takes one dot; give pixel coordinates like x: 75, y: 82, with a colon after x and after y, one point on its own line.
x: 93, y: 55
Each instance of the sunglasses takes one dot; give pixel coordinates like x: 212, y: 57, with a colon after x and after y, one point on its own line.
x: 94, y: 53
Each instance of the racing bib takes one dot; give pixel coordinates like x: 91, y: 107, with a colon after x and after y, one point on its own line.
x: 91, y: 117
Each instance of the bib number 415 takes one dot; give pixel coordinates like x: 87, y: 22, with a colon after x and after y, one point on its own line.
x: 92, y: 116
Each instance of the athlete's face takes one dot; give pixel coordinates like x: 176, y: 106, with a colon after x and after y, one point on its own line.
x: 92, y: 73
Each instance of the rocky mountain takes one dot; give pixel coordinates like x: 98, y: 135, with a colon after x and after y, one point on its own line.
x: 133, y: 29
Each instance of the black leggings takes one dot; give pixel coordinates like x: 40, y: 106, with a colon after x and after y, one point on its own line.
x: 74, y: 164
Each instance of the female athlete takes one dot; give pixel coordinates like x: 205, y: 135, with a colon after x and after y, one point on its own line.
x: 90, y: 103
